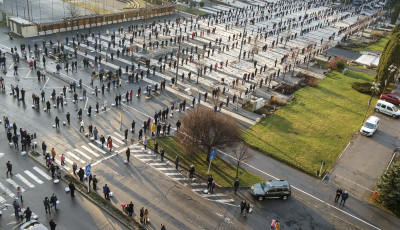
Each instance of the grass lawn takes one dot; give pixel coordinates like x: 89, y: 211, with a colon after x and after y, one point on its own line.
x: 223, y: 172
x: 192, y: 11
x: 377, y: 46
x: 316, y: 125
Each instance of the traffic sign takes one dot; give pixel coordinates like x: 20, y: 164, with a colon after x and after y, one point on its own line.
x: 87, y: 169
x: 212, y: 155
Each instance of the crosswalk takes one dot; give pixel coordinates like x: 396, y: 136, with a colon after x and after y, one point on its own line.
x: 148, y: 157
x: 28, y: 179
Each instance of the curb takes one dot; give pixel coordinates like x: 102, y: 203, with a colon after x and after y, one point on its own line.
x: 127, y: 222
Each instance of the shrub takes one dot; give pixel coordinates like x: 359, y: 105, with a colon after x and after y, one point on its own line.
x: 277, y: 101
x: 362, y: 87
x: 337, y: 64
x: 201, y: 4
x: 312, y: 81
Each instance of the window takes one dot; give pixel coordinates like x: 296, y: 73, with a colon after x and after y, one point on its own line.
x: 272, y: 190
x: 389, y: 108
x: 383, y: 106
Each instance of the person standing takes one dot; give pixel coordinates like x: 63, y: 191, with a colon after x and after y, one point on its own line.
x: 109, y: 143
x: 162, y: 152
x: 163, y: 227
x: 236, y: 185
x: 277, y: 225
x: 106, y: 191
x: 141, y: 214
x: 53, y: 201
x: 103, y: 140
x: 242, y: 206
x: 57, y: 122
x: 46, y: 203
x: 68, y: 118
x: 52, y: 170
x: 176, y: 162
x: 209, y: 181
x: 28, y: 214
x: 74, y: 168
x: 191, y: 172
x: 345, y: 195
x: 82, y: 128
x: 52, y: 224
x: 338, y: 194
x: 212, y: 186
x: 130, y: 209
x: 44, y: 147
x: 95, y: 132
x: 16, y: 208
x: 81, y: 174
x: 72, y: 189
x: 273, y: 224
x: 145, y: 143
x: 9, y: 168
x: 128, y: 154
x: 95, y: 182
x: 145, y: 216
x: 19, y: 194
x: 62, y: 159
x: 53, y: 153
x: 126, y: 135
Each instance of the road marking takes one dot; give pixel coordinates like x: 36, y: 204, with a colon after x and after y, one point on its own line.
x: 106, y: 158
x: 97, y: 148
x: 212, y: 195
x: 29, y: 73
x: 113, y: 143
x: 141, y: 155
x: 197, y: 184
x: 173, y: 174
x: 157, y: 164
x: 306, y: 193
x: 117, y: 140
x: 224, y: 201
x: 6, y: 190
x: 25, y: 181
x: 2, y: 200
x: 145, y: 159
x: 162, y: 169
x: 65, y: 166
x: 122, y: 137
x: 179, y: 178
x: 14, y: 184
x: 83, y: 154
x: 354, y: 183
x: 90, y: 151
x: 46, y: 82
x: 198, y: 189
x: 42, y: 173
x: 76, y: 158
x: 39, y: 181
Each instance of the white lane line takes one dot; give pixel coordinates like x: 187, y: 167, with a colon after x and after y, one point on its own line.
x: 161, y: 169
x: 145, y: 159
x: 224, y: 201
x: 117, y: 139
x: 41, y: 172
x: 15, y: 184
x: 119, y: 135
x: 97, y: 148
x: 76, y: 158
x: 59, y: 163
x: 197, y: 184
x: 158, y: 164
x: 83, y: 154
x: 25, y: 181
x: 46, y: 82
x: 28, y: 73
x: 105, y: 158
x: 90, y: 151
x: 142, y: 155
x: 213, y: 195
x: 2, y: 200
x: 173, y: 174
x: 31, y: 175
x: 308, y: 194
x: 122, y: 150
x: 179, y: 178
x: 6, y: 190
x: 198, y: 189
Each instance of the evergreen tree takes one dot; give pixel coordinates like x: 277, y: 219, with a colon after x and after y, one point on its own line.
x: 396, y: 29
x: 390, y: 55
x: 389, y: 188
x: 395, y: 14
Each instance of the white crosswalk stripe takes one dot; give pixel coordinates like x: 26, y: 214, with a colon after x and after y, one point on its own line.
x: 76, y: 157
x: 173, y: 174
x: 114, y: 145
x: 90, y: 151
x: 41, y: 172
x: 119, y: 140
x: 30, y: 185
x: 212, y: 195
x: 97, y: 148
x: 65, y: 166
x: 157, y: 164
x: 14, y: 184
x: 166, y: 169
x: 2, y: 200
x: 224, y: 201
x: 6, y: 190
x: 83, y: 154
x: 145, y: 159
x: 31, y: 175
x: 119, y: 135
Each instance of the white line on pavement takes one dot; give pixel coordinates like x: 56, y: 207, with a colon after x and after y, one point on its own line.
x: 97, y: 148
x: 39, y: 181
x: 120, y: 136
x: 76, y: 157
x: 41, y: 172
x: 14, y: 184
x: 2, y: 200
x: 6, y: 190
x: 90, y: 151
x: 83, y: 154
x: 25, y: 181
x: 213, y: 194
x: 173, y: 174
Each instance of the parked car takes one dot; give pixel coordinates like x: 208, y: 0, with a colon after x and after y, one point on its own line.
x: 33, y: 225
x: 390, y: 97
x: 271, y: 189
x: 370, y: 126
x: 387, y: 108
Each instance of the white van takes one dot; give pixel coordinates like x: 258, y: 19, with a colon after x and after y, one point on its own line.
x: 370, y: 126
x: 387, y: 108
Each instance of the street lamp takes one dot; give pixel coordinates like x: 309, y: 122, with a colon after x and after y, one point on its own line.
x: 241, y: 44
x: 392, y: 71
x: 374, y: 88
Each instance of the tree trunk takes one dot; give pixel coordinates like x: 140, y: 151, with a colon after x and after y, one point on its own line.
x: 208, y: 154
x: 237, y: 169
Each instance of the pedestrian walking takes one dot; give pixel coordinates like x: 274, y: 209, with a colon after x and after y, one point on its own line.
x: 57, y: 122
x: 145, y: 142
x: 277, y: 225
x: 146, y: 217
x: 81, y: 174
x: 82, y: 127
x: 106, y: 191
x: 162, y: 152
x: 53, y: 154
x: 338, y: 194
x: 68, y: 118
x: 212, y: 186
x: 71, y: 187
x: 52, y: 224
x: 62, y: 159
x: 44, y: 147
x: 163, y: 227
x: 16, y: 208
x: 236, y: 185
x: 191, y: 172
x: 176, y: 162
x: 209, y: 181
x: 128, y: 154
x: 53, y: 201
x: 28, y: 214
x: 130, y: 209
x: 9, y: 168
x: 74, y: 168
x: 95, y: 181
x: 46, y: 203
x: 273, y: 224
x: 141, y: 214
x: 345, y: 195
x: 103, y: 140
x: 109, y: 143
x: 19, y: 194
x: 52, y: 170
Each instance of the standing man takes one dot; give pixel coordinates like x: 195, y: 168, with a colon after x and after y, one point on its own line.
x: 52, y: 225
x: 74, y: 168
x: 72, y: 189
x: 57, y: 122
x: 338, y: 194
x: 128, y: 154
x: 46, y: 203
x: 95, y: 182
x: 106, y: 191
x: 345, y: 195
x: 53, y: 201
x: 68, y: 118
x: 176, y: 162
x: 44, y: 147
x: 236, y: 185
x: 162, y: 152
x: 82, y: 127
x: 9, y: 168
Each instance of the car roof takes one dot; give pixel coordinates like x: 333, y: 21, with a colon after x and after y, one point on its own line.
x: 373, y: 119
x: 33, y: 225
x: 384, y: 102
x: 391, y: 94
x: 278, y: 183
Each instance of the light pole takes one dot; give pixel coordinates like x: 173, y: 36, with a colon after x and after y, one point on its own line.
x: 241, y: 44
x: 374, y: 88
x: 392, y: 71
x: 177, y: 62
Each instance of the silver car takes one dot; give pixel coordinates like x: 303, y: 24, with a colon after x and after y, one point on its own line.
x: 271, y: 189
x: 33, y: 225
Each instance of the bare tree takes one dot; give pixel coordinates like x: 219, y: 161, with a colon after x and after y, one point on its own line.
x: 72, y: 9
x: 209, y: 129
x: 241, y: 154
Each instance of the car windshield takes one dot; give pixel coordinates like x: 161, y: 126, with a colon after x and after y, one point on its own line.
x: 263, y: 185
x: 368, y: 125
